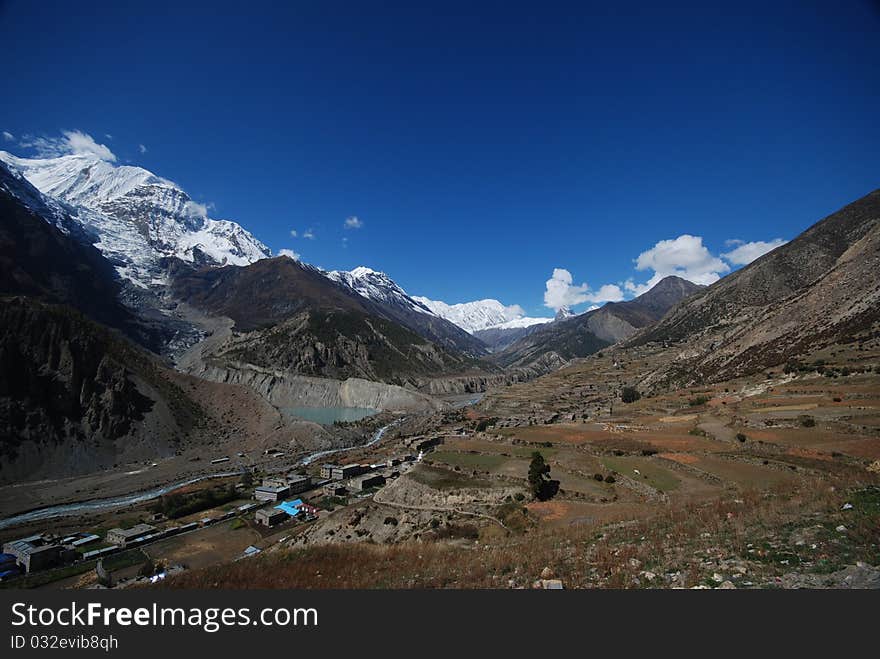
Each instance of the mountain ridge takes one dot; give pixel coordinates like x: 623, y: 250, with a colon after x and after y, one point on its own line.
x: 587, y: 333
x: 817, y: 289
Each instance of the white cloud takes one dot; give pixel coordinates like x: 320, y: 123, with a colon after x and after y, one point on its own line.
x: 9, y: 137
x: 142, y: 148
x: 607, y: 293
x: 84, y: 144
x: 686, y: 257
x: 353, y: 222
x: 745, y: 252
x: 195, y: 209
x: 289, y: 253
x: 309, y: 234
x: 560, y: 291
x: 72, y: 142
x: 293, y: 233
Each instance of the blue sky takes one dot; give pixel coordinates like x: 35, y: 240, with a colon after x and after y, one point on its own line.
x: 481, y: 149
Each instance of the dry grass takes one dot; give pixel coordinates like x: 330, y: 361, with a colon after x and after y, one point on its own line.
x: 682, y: 544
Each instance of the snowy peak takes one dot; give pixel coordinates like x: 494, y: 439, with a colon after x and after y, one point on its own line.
x: 136, y: 217
x: 84, y: 180
x: 563, y: 313
x: 481, y: 314
x: 521, y: 323
x: 377, y: 286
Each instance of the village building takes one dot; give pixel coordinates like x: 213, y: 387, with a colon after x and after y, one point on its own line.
x: 270, y: 516
x: 348, y: 471
x: 298, y: 483
x: 37, y: 552
x: 123, y: 537
x: 335, y: 490
x: 270, y: 492
x: 368, y: 481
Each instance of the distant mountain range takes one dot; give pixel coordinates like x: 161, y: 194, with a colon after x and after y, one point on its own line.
x: 581, y: 335
x: 140, y: 221
x: 481, y: 315
x: 105, y: 268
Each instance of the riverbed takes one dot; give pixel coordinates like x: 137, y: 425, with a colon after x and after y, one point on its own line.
x: 109, y: 503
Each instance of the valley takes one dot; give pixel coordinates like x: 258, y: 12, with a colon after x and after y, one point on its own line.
x: 172, y: 394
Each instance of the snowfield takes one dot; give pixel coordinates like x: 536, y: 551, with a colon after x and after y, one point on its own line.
x: 135, y: 217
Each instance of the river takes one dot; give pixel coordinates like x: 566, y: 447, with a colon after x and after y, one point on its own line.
x: 67, y: 509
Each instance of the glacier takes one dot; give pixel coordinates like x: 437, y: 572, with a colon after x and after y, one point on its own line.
x: 136, y: 218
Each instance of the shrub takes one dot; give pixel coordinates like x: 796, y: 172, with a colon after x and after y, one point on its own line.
x: 391, y: 520
x: 610, y: 479
x: 630, y: 395
x: 807, y: 421
x: 539, y: 478
x: 484, y: 424
x: 696, y: 401
x: 599, y: 477
x: 741, y: 437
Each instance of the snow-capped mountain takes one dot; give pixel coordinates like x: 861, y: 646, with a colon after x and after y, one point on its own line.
x: 405, y: 309
x: 521, y: 323
x: 377, y: 286
x: 135, y: 217
x: 481, y: 314
x: 563, y: 313
x: 16, y: 185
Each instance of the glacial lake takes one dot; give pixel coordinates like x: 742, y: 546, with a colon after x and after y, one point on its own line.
x: 329, y: 415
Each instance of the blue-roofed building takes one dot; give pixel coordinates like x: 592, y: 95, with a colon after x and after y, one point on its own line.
x: 290, y: 507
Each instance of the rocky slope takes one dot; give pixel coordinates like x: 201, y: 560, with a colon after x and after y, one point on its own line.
x: 77, y: 398
x: 286, y: 390
x: 585, y: 334
x: 817, y: 290
x: 74, y: 397
x: 289, y: 316
x: 44, y: 255
x: 396, y: 304
x: 341, y: 344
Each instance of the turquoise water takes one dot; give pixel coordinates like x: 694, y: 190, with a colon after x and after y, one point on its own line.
x: 328, y: 415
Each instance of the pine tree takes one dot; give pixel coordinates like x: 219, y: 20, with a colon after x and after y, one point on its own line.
x: 542, y: 486
x: 538, y: 471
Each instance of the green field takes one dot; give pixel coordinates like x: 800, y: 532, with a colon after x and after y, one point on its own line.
x: 483, y: 461
x: 655, y: 476
x: 444, y: 479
